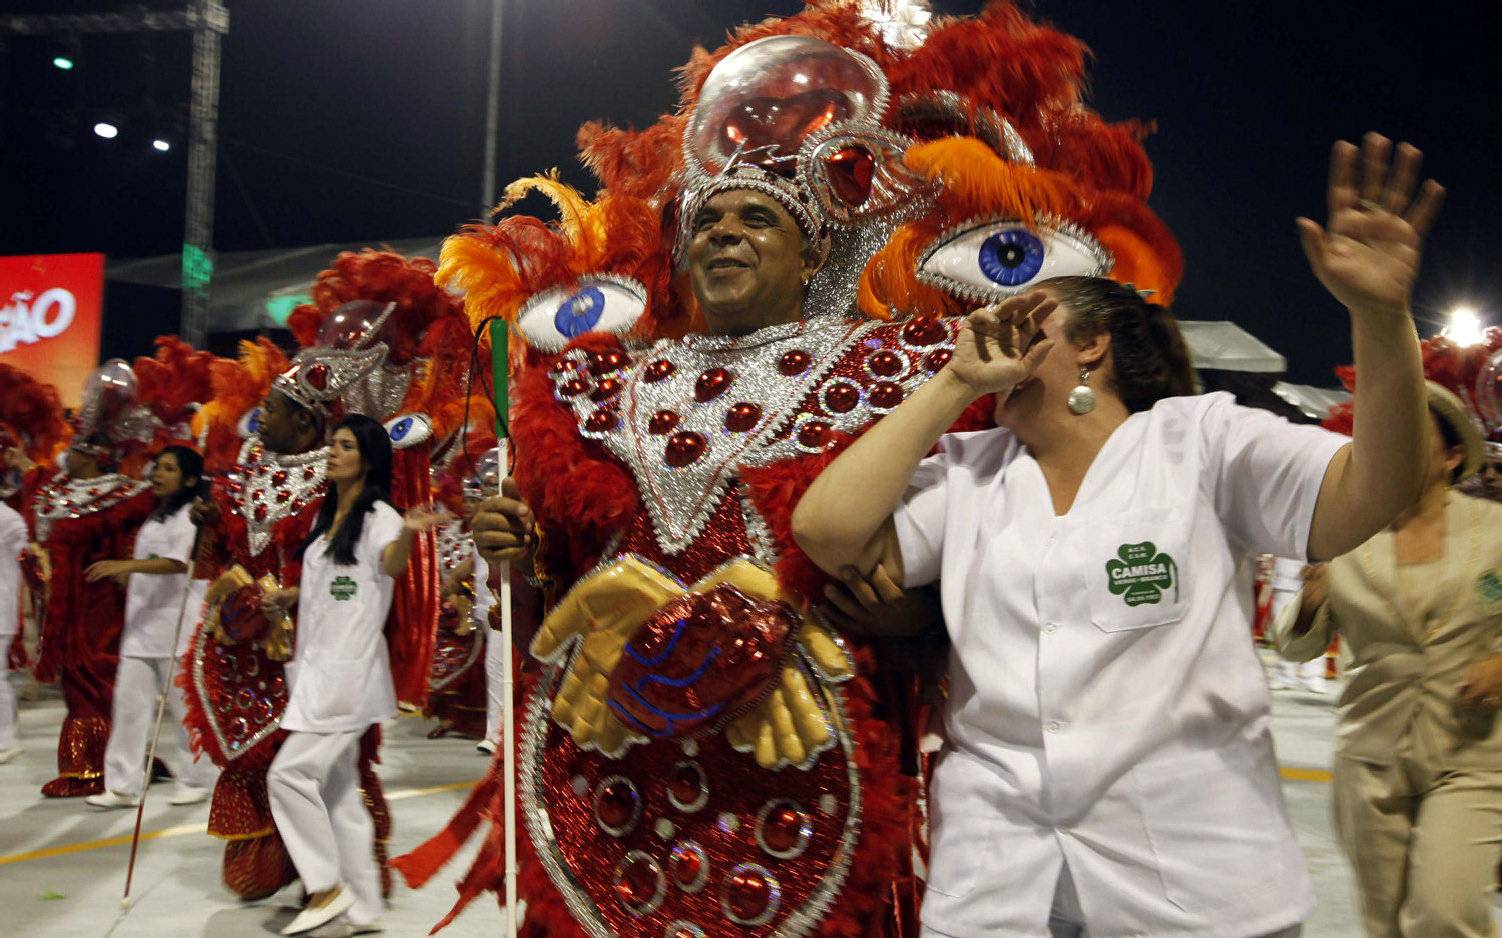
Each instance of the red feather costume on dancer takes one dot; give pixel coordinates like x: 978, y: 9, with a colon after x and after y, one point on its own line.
x: 704, y: 756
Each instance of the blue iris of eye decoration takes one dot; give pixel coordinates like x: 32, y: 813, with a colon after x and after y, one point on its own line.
x: 579, y: 313
x: 401, y: 428
x: 1011, y: 257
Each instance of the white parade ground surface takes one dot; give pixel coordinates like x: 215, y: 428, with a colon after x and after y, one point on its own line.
x: 62, y: 864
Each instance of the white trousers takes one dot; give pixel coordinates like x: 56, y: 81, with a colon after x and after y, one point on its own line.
x: 138, y: 681
x: 314, y: 784
x: 495, y: 676
x: 8, y: 737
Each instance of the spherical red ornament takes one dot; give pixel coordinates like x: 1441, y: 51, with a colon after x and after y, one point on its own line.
x: 688, y: 790
x: 309, y: 472
x: 684, y: 447
x: 617, y: 806
x: 662, y: 422
x: 561, y: 365
x: 256, y: 495
x: 602, y: 420
x: 814, y: 434
x: 606, y: 389
x: 936, y: 360
x: 841, y: 398
x: 750, y: 895
x: 689, y: 867
x: 260, y: 512
x: 279, y: 477
x: 795, y: 362
x: 742, y: 417
x: 923, y: 332
x: 885, y: 363
x: 659, y: 370
x: 639, y: 883
x: 886, y: 395
x: 783, y: 829
x: 282, y: 495
x: 711, y: 384
x: 601, y: 363
x: 573, y: 387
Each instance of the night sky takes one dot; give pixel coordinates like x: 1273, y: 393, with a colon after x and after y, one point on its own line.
x: 362, y: 121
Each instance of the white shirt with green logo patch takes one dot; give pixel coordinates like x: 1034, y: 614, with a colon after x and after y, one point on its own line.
x: 340, y: 673
x: 1106, y: 706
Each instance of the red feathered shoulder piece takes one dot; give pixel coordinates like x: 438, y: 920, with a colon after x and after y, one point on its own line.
x: 31, y: 414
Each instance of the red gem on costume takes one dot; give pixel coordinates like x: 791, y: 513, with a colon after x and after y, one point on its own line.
x: 573, y: 387
x: 684, y: 447
x: 260, y: 512
x: 849, y: 171
x: 606, y: 389
x: 937, y: 359
x: 638, y: 882
x: 318, y: 376
x: 605, y: 362
x: 841, y: 398
x: 658, y: 370
x: 662, y: 422
x: 742, y: 417
x: 814, y: 434
x: 279, y: 477
x: 602, y: 420
x: 784, y: 830
x: 560, y: 366
x: 257, y: 495
x: 886, y: 394
x: 885, y: 363
x: 923, y: 332
x: 795, y: 363
x: 711, y: 384
x: 308, y: 472
x: 748, y: 894
x: 688, y: 866
x: 686, y: 787
x: 282, y: 495
x: 617, y: 806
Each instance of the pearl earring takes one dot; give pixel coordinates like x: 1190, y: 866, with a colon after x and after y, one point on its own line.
x: 1082, y: 396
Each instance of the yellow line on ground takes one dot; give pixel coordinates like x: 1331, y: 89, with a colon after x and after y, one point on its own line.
x: 1296, y: 774
x: 182, y: 829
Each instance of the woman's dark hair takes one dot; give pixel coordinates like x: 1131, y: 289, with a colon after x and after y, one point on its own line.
x: 191, y: 466
x: 1452, y: 440
x: 1149, y: 360
x: 375, y: 452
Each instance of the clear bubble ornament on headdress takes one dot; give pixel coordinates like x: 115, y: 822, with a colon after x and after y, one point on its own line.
x: 352, y: 325
x: 767, y: 97
x: 485, y: 478
x: 1489, y: 392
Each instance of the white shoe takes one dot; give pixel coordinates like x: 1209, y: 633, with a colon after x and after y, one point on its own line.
x: 1278, y: 681
x: 310, y: 918
x: 8, y: 754
x: 486, y: 746
x: 1316, y: 685
x: 111, y: 799
x: 183, y: 795
x: 342, y: 927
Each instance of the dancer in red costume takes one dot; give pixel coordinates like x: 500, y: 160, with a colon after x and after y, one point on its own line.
x: 88, y: 512
x: 378, y: 339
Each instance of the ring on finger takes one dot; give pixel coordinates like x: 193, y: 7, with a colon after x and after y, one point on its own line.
x: 1368, y: 205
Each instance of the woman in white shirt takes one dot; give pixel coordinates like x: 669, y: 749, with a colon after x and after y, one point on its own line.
x: 156, y: 609
x: 1108, y: 768
x: 12, y: 543
x: 339, y: 678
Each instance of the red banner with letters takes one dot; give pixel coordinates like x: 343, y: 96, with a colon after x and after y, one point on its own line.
x: 51, y: 307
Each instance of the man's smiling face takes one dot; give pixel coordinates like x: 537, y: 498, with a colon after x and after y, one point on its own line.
x: 747, y: 261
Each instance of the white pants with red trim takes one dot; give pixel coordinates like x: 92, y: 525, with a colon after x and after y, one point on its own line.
x: 314, y: 784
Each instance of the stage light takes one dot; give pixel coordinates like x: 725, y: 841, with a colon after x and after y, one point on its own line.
x: 161, y: 146
x: 106, y: 130
x: 1464, y: 327
x: 62, y: 62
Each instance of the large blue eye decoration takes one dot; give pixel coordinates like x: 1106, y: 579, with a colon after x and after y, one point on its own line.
x: 250, y: 423
x: 988, y: 261
x: 599, y: 303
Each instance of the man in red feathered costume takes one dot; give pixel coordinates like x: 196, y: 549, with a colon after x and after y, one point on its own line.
x: 88, y: 512
x: 704, y: 756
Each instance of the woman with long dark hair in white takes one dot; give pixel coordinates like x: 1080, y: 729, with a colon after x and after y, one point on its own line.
x: 340, y: 678
x: 156, y: 578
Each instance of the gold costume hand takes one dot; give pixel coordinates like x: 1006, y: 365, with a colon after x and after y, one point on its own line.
x: 788, y: 728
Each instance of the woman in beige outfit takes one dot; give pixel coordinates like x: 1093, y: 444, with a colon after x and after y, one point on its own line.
x: 1418, y: 768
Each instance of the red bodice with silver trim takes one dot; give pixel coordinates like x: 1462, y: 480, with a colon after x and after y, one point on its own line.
x: 689, y: 836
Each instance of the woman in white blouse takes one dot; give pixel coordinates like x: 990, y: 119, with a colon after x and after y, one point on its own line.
x: 159, y: 622
x: 1108, y: 768
x: 340, y: 678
